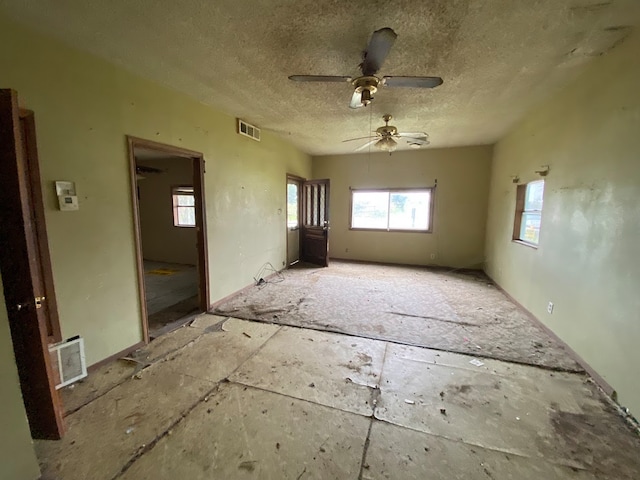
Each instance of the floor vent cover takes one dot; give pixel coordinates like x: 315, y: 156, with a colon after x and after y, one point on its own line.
x: 68, y: 361
x: 248, y: 130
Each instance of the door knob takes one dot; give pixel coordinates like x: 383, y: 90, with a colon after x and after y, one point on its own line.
x: 21, y: 306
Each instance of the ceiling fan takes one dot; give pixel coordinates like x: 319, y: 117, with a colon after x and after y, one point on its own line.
x: 372, y: 59
x: 385, y: 137
x: 142, y: 170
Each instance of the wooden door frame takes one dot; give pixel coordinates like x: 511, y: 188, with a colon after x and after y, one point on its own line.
x: 201, y: 223
x: 298, y: 179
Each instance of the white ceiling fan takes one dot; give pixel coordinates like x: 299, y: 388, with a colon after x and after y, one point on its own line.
x: 386, y: 137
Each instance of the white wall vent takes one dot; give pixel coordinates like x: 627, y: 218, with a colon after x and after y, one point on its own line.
x: 68, y: 362
x: 248, y: 130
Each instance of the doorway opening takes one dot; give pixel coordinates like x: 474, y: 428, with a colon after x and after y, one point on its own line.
x: 168, y: 197
x: 294, y: 210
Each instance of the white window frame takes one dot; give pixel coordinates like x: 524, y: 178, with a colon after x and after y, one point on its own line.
x: 182, y: 190
x: 390, y: 191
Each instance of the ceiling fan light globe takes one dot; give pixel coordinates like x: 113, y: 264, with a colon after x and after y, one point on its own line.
x: 387, y: 144
x: 366, y: 97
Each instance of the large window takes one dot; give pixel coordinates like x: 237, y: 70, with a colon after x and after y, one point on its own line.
x: 528, y: 212
x: 184, y: 207
x: 399, y: 210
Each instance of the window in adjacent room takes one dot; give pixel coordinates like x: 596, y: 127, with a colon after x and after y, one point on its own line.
x: 528, y: 212
x: 184, y: 207
x: 392, y: 210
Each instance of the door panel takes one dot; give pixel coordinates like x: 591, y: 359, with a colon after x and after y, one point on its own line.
x: 29, y: 303
x: 315, y: 222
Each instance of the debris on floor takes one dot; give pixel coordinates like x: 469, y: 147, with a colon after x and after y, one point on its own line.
x: 218, y: 408
x: 417, y: 306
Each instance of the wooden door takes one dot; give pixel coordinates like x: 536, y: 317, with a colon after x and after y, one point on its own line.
x: 26, y: 268
x: 314, y: 240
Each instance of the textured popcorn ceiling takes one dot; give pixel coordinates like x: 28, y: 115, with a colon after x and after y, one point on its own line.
x: 497, y: 57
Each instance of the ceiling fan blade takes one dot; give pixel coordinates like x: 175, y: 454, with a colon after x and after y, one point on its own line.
x: 319, y: 78
x: 377, y: 50
x: 412, y: 82
x: 356, y: 100
x: 412, y: 134
x: 362, y: 147
x: 360, y: 138
x: 417, y: 141
x: 145, y: 169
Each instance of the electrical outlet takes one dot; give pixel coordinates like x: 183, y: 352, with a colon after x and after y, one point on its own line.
x: 550, y: 308
x: 346, y: 250
x: 433, y: 256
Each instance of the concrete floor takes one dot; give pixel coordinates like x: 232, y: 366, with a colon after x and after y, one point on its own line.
x: 235, y: 399
x: 163, y: 291
x: 171, y: 292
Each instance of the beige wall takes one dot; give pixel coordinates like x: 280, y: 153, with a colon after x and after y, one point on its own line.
x: 588, y: 262
x: 84, y: 107
x: 460, y: 204
x: 17, y: 457
x: 161, y: 240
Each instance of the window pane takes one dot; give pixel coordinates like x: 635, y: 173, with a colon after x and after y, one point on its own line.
x: 314, y: 205
x: 186, y: 216
x: 292, y: 205
x: 409, y: 210
x: 530, y: 228
x: 533, y: 196
x: 185, y: 200
x: 307, y: 217
x: 370, y: 210
x: 322, y: 201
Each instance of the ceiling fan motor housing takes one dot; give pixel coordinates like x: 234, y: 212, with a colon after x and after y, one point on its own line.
x: 387, y: 130
x: 366, y: 86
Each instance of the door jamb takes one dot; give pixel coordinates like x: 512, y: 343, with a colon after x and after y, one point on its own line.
x: 201, y: 225
x: 298, y: 179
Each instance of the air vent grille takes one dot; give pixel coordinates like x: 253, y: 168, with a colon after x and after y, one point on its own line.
x: 68, y: 361
x: 248, y: 130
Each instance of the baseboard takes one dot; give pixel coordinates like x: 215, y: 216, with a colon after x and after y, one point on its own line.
x: 443, y: 268
x: 115, y: 356
x: 217, y: 303
x: 602, y: 383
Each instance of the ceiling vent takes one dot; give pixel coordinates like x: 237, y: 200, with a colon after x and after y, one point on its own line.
x: 68, y: 362
x: 248, y: 130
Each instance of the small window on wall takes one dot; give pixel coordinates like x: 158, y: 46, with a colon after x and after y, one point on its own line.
x: 184, y: 207
x: 392, y: 210
x: 528, y: 212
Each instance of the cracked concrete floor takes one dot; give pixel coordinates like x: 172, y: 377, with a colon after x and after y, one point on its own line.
x: 235, y: 399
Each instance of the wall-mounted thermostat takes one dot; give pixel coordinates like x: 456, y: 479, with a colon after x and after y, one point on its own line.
x: 67, y: 198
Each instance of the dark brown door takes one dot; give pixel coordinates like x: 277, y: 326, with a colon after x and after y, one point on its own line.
x: 26, y: 268
x: 314, y: 240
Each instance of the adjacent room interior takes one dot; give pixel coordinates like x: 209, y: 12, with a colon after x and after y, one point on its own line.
x: 272, y: 244
x: 167, y: 212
